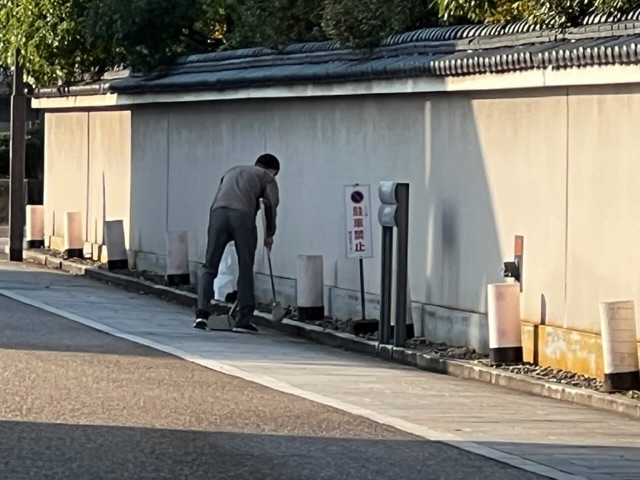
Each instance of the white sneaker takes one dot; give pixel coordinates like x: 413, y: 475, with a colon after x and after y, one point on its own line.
x: 201, y: 324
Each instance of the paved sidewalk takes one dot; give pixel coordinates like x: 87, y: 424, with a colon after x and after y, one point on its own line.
x: 548, y: 437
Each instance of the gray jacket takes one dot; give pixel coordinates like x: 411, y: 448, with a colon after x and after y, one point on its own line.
x: 242, y: 188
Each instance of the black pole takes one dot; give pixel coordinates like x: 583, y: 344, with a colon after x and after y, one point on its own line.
x: 362, y: 298
x: 385, y: 284
x: 402, y: 222
x: 16, y: 201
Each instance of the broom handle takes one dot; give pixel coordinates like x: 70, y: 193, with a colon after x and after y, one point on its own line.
x: 273, y: 285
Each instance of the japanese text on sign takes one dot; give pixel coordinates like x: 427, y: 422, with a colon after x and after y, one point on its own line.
x: 358, y: 212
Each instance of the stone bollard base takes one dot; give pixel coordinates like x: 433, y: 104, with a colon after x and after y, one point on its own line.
x: 621, y: 382
x: 506, y: 356
x: 177, y: 280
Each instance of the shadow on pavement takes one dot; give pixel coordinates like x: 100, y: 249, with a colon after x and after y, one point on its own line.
x: 57, y: 451
x: 23, y: 327
x: 591, y: 461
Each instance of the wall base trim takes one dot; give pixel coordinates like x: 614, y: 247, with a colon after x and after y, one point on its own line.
x: 565, y: 349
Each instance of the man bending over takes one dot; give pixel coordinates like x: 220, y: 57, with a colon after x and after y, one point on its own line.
x: 232, y: 218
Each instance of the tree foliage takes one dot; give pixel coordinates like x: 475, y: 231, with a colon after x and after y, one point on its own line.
x: 553, y: 13
x: 49, y: 32
x: 146, y: 33
x: 64, y: 40
x: 273, y: 23
x: 364, y: 24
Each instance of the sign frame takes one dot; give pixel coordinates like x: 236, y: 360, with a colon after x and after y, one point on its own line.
x: 358, y: 196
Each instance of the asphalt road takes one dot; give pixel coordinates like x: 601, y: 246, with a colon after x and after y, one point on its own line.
x: 78, y: 404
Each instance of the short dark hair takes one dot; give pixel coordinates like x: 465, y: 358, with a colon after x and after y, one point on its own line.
x: 268, y: 162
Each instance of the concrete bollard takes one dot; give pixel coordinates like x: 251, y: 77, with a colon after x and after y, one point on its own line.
x: 73, y: 241
x: 505, y: 330
x: 117, y: 258
x: 178, y: 259
x: 619, y: 346
x: 310, y: 287
x: 35, y: 226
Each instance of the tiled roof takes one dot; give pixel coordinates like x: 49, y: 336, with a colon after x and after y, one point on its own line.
x: 618, y: 50
x: 440, y: 51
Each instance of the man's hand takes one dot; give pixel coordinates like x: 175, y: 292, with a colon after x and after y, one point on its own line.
x: 268, y: 242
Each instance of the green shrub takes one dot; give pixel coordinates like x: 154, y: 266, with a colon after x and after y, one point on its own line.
x: 34, y: 153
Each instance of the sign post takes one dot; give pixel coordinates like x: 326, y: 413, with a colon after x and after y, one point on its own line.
x: 359, y: 238
x: 394, y: 214
x: 17, y: 209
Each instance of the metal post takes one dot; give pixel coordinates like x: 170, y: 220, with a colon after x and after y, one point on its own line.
x: 16, y: 202
x: 385, y: 283
x: 402, y: 222
x: 362, y: 297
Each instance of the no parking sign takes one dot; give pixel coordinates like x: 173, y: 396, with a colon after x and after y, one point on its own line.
x: 358, y: 214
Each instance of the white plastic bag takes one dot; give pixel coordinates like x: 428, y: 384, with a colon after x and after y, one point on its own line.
x: 261, y: 254
x: 226, y: 281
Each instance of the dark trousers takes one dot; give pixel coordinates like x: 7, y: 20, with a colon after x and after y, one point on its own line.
x: 225, y: 226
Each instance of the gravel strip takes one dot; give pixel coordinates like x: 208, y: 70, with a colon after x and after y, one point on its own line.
x: 87, y: 262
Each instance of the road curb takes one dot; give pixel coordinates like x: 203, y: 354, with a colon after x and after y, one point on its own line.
x: 455, y: 368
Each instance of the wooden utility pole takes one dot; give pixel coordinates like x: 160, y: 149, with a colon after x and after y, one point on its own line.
x: 18, y: 127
